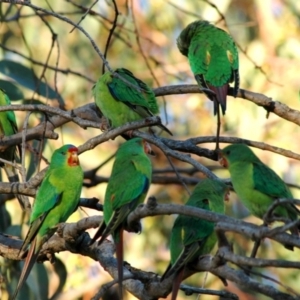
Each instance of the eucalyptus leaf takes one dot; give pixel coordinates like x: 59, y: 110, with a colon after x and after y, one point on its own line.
x: 61, y: 271
x: 13, y: 92
x: 27, y: 78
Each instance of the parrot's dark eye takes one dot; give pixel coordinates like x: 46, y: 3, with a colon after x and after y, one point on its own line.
x: 63, y: 153
x: 228, y: 152
x: 205, y: 201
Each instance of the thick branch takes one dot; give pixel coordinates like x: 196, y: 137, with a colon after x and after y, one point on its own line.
x: 276, y: 107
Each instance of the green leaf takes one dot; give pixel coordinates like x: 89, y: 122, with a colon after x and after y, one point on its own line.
x: 35, y: 287
x: 33, y: 162
x: 61, y: 271
x: 12, y: 91
x: 5, y: 219
x: 26, y: 77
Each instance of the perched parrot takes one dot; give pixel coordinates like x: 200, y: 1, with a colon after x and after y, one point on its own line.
x: 56, y: 199
x: 213, y: 57
x: 120, y: 102
x: 127, y: 187
x: 8, y: 126
x: 256, y: 184
x: 193, y: 237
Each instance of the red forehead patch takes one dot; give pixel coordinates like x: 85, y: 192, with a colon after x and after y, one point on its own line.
x: 73, y: 149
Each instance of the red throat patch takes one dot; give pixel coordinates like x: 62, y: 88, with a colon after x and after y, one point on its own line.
x: 226, y: 198
x: 147, y: 148
x: 73, y: 159
x: 223, y: 161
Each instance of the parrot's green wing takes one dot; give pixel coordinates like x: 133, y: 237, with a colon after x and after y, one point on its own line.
x: 126, y: 187
x: 137, y: 185
x: 8, y: 123
x: 268, y: 182
x: 50, y: 197
x: 189, y: 235
x: 191, y: 232
x: 36, y: 225
x: 135, y: 96
x: 10, y: 115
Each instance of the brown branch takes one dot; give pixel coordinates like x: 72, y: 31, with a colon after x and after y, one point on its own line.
x: 143, y: 285
x: 270, y: 105
x: 223, y: 222
x: 64, y: 19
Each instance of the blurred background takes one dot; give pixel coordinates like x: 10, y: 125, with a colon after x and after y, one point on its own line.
x: 268, y: 37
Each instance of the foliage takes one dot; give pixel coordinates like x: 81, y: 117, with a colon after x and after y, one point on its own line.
x: 52, y: 54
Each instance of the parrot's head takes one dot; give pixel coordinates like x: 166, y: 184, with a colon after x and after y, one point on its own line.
x: 236, y: 153
x: 73, y: 159
x: 66, y: 155
x: 135, y: 146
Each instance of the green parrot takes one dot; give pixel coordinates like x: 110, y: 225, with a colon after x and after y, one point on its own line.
x: 8, y: 126
x: 193, y: 237
x: 256, y: 184
x: 213, y: 58
x: 120, y: 102
x: 127, y: 187
x: 56, y: 199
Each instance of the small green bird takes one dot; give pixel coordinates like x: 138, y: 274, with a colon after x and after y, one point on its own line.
x: 8, y: 127
x: 127, y: 187
x: 121, y: 102
x: 193, y: 237
x: 56, y: 199
x: 256, y: 184
x: 213, y: 58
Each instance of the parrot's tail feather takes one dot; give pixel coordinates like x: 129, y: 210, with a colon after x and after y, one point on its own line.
x: 118, y: 216
x: 119, y: 253
x: 186, y: 255
x: 29, y: 262
x: 220, y: 98
x: 176, y: 284
x: 218, y: 94
x: 167, y: 273
x: 99, y: 233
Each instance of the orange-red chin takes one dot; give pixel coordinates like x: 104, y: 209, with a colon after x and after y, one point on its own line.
x: 147, y: 148
x: 223, y: 161
x: 73, y: 159
x: 226, y: 198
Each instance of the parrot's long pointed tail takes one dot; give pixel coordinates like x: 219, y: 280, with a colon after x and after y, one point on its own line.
x: 31, y: 258
x: 220, y: 98
x: 119, y: 253
x: 100, y: 232
x: 176, y: 284
x: 219, y: 94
